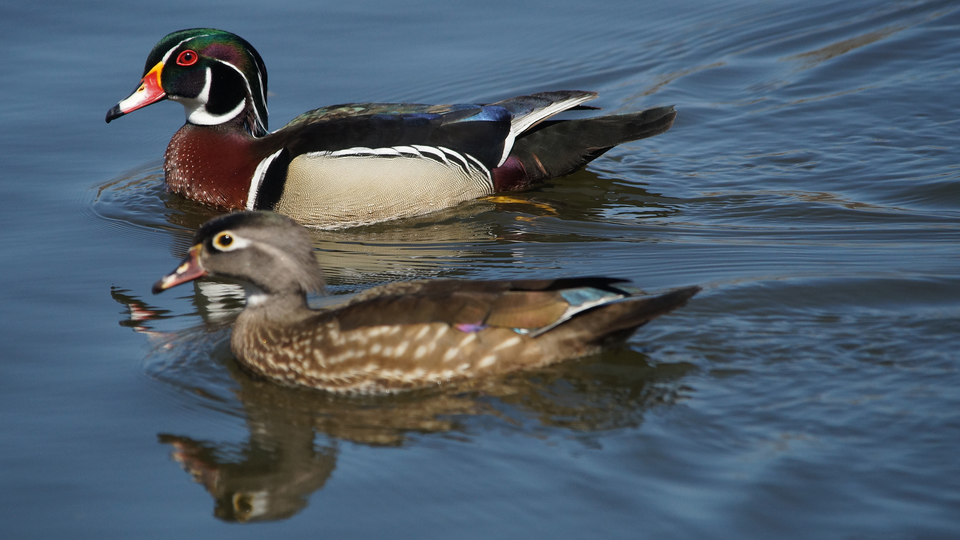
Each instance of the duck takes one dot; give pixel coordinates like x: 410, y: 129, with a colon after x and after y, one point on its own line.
x: 404, y: 335
x: 357, y: 163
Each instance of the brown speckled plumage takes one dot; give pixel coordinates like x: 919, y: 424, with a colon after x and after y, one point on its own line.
x: 404, y: 335
x: 382, y: 358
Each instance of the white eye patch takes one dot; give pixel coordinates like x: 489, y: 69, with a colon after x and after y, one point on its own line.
x: 228, y: 241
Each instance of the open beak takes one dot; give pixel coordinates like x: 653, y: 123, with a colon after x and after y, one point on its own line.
x: 188, y: 270
x: 149, y: 92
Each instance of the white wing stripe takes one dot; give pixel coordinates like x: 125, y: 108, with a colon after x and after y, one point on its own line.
x: 523, y: 123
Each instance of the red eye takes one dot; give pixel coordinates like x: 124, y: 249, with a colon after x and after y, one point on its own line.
x: 187, y: 58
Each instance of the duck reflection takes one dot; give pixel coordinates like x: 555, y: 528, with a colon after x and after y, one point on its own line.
x: 259, y: 483
x: 486, y: 232
x: 294, y: 435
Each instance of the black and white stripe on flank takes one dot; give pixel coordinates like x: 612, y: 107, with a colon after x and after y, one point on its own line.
x: 451, y: 158
x: 257, y: 180
x: 468, y: 165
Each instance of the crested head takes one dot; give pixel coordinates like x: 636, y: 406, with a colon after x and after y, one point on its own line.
x: 271, y: 252
x: 217, y: 76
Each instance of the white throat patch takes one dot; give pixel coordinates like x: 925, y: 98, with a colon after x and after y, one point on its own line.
x: 196, y: 108
x: 255, y: 296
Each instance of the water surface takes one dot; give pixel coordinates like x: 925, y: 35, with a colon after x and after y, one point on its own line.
x: 810, y: 183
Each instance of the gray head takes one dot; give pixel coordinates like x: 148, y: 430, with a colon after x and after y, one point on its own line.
x: 270, y: 252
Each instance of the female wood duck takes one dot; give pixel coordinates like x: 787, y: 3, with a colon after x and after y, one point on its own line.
x: 402, y: 335
x: 357, y: 163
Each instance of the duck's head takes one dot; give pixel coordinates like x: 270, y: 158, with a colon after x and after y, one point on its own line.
x: 269, y: 253
x: 217, y: 76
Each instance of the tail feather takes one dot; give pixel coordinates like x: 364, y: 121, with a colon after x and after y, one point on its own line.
x: 527, y: 111
x: 559, y: 147
x: 608, y: 324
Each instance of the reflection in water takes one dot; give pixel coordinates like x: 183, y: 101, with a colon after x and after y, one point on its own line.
x: 813, y: 58
x: 812, y: 172
x: 256, y: 482
x: 271, y: 475
x: 294, y: 434
x: 489, y: 232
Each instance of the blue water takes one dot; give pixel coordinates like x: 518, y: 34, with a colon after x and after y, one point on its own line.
x: 810, y: 183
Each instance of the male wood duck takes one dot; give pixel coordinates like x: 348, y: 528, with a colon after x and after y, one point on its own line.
x: 403, y: 335
x: 357, y: 163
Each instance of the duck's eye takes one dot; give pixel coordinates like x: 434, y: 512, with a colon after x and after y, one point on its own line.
x: 187, y: 58
x: 223, y: 240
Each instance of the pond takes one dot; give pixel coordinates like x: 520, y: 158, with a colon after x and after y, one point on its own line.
x: 810, y: 184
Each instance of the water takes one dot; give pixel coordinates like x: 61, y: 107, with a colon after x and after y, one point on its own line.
x: 810, y: 183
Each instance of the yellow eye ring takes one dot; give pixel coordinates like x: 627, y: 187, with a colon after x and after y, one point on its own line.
x: 223, y: 240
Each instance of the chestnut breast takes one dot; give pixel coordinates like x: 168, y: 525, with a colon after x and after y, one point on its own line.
x: 210, y: 165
